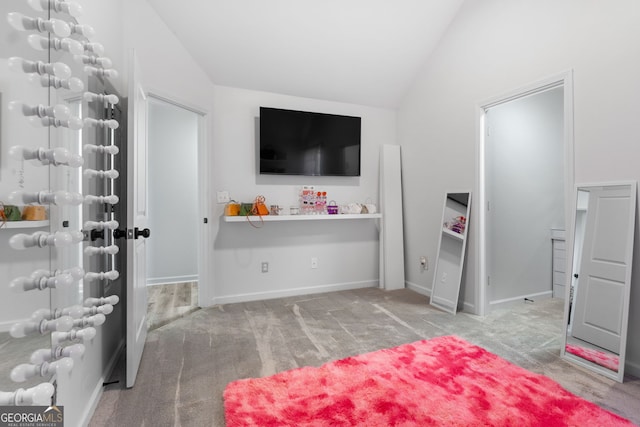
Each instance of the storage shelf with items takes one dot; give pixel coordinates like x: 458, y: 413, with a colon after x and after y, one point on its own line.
x: 319, y: 217
x: 24, y: 224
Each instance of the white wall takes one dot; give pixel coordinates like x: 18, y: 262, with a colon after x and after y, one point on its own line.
x: 173, y: 194
x: 494, y: 47
x: 347, y: 252
x: 525, y: 186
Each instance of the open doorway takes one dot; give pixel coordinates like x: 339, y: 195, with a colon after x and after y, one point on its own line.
x: 525, y: 188
x: 174, y: 186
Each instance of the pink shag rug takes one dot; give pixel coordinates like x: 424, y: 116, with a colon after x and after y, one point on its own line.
x: 607, y: 360
x: 443, y: 381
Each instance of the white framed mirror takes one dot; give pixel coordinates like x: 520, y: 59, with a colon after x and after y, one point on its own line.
x: 598, y: 288
x: 451, y: 251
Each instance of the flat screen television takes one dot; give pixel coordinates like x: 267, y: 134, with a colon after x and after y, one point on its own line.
x: 306, y: 143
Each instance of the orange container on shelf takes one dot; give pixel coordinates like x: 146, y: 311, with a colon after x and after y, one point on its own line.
x: 232, y: 208
x: 34, y: 213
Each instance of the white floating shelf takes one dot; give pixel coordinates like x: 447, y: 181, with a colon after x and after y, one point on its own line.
x: 267, y: 218
x: 25, y: 224
x: 453, y: 234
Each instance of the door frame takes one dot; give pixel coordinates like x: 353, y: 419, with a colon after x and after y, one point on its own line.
x: 565, y: 80
x: 203, y: 187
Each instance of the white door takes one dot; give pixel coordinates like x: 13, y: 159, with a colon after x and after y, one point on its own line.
x: 604, y: 267
x: 136, y: 222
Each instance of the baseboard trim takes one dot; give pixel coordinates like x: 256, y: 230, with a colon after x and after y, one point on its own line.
x: 423, y: 290
x: 7, y: 324
x: 97, y: 391
x: 418, y: 288
x: 230, y: 299
x: 632, y: 368
x: 169, y: 280
x: 520, y: 298
x: 468, y: 307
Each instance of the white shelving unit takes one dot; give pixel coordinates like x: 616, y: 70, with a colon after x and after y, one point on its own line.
x: 24, y: 224
x: 451, y: 251
x: 269, y: 218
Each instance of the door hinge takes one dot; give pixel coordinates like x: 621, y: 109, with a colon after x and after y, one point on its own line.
x: 488, y: 280
x: 488, y: 205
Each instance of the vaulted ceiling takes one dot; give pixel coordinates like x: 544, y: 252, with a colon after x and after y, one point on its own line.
x: 356, y: 51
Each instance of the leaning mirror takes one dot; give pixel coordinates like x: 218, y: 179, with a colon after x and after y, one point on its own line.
x: 451, y: 251
x: 597, y: 298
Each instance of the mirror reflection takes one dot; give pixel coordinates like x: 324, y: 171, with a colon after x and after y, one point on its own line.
x: 17, y: 89
x: 597, y: 306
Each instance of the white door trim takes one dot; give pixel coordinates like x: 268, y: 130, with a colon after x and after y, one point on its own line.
x: 203, y: 190
x: 564, y: 79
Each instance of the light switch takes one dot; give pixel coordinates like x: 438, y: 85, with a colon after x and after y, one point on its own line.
x: 223, y: 197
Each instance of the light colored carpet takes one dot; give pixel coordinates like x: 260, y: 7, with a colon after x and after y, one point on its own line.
x: 187, y: 363
x: 169, y: 302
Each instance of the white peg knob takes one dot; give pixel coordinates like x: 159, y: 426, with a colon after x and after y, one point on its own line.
x: 22, y: 329
x: 74, y: 311
x: 39, y: 395
x: 94, y: 48
x: 39, y: 239
x: 110, y: 174
x: 73, y: 84
x: 102, y: 149
x: 76, y: 272
x: 24, y: 284
x: 103, y: 309
x: 82, y: 29
x: 75, y: 351
x: 101, y: 225
x: 98, y: 61
x: 95, y: 320
x: 92, y: 97
x: 58, y: 198
x: 25, y: 23
x: 86, y: 334
x: 55, y: 156
x: 26, y: 371
x: 58, y: 111
x: 109, y: 275
x: 101, y: 72
x: 39, y: 42
x: 73, y: 123
x: 111, y: 124
x: 101, y: 250
x: 111, y: 200
x: 70, y: 8
x: 59, y: 69
x: 111, y: 299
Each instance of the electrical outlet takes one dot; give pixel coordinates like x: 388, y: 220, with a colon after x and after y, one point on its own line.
x: 223, y: 197
x: 265, y: 267
x: 314, y: 262
x: 444, y: 278
x: 424, y: 263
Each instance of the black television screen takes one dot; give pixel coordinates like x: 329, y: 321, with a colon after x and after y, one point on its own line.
x: 306, y: 143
